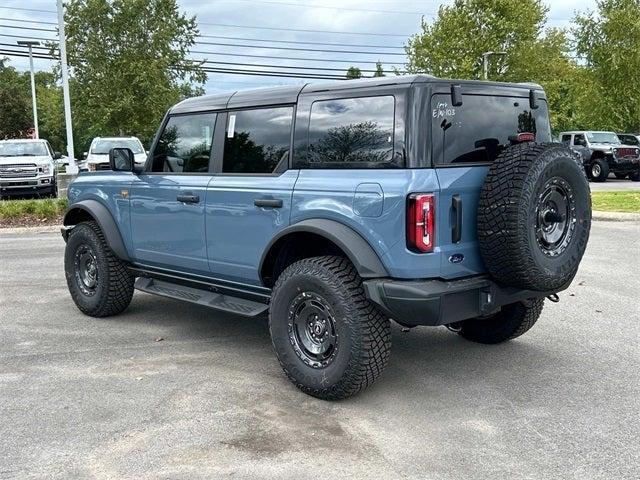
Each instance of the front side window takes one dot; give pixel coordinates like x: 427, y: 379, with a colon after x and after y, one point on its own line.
x: 258, y: 140
x: 479, y: 129
x: 579, y: 140
x: 185, y: 144
x: 566, y: 139
x: 352, y: 133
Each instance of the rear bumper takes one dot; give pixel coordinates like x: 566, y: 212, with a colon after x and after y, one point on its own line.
x: 441, y: 302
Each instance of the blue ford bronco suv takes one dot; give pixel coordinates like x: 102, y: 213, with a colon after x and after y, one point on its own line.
x: 336, y: 208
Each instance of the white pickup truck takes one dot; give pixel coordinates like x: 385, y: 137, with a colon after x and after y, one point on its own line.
x: 27, y: 167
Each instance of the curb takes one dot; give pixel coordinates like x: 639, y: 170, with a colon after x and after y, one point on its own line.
x: 29, y: 230
x: 615, y: 216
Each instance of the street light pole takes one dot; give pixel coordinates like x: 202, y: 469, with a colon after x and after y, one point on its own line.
x: 30, y: 44
x: 72, y: 167
x: 485, y: 63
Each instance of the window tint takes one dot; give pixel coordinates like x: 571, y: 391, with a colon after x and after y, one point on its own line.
x: 566, y: 139
x: 479, y: 129
x: 185, y: 144
x: 352, y: 133
x: 579, y: 140
x: 628, y: 139
x: 258, y: 141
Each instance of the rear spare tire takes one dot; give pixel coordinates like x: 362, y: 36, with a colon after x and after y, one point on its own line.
x: 534, y: 217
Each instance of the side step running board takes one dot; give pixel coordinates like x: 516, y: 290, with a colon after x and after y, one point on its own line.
x: 225, y: 303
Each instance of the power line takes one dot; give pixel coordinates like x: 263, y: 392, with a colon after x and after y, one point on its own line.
x: 325, y: 60
x: 300, y: 42
x: 29, y: 9
x: 29, y: 28
x: 30, y: 37
x: 299, y: 49
x: 279, y: 66
x: 302, y: 30
x: 27, y: 21
x: 353, y: 9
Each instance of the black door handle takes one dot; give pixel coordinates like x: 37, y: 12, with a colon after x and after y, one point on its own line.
x: 188, y: 198
x: 456, y: 231
x: 268, y: 202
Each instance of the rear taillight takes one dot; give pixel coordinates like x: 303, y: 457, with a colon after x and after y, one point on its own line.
x: 420, y: 222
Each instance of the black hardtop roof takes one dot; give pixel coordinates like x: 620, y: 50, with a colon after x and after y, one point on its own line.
x: 289, y: 93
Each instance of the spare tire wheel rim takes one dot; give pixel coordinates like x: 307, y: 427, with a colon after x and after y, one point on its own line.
x: 596, y: 170
x: 312, y: 330
x: 86, y: 270
x: 555, y: 217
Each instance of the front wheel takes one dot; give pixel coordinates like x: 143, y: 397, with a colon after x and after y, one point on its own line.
x: 510, y: 322
x: 98, y: 281
x: 330, y: 340
x: 599, y: 170
x: 635, y: 176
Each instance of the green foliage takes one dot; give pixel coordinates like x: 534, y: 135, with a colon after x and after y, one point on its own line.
x: 379, y: 71
x: 628, y: 201
x: 42, y: 209
x: 610, y: 42
x: 15, y: 100
x: 353, y: 72
x: 453, y: 44
x: 129, y: 62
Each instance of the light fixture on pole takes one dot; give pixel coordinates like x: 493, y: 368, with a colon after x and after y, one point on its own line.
x: 30, y: 44
x: 485, y: 63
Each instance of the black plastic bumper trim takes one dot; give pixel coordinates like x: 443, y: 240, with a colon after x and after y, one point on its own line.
x: 441, y: 302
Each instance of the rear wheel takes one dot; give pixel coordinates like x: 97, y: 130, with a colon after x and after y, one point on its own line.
x: 99, y: 282
x: 599, y: 170
x: 510, y: 322
x: 330, y: 340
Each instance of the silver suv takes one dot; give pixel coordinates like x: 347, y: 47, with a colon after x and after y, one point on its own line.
x: 603, y: 153
x: 27, y: 167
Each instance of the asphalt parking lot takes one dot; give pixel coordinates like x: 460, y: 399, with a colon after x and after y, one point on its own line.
x: 107, y: 398
x: 614, y: 183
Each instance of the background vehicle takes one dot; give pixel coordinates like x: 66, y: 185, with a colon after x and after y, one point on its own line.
x: 603, y: 153
x: 27, y: 167
x: 97, y: 158
x: 336, y: 207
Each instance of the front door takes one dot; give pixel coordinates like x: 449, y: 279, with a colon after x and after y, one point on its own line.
x: 168, y: 200
x: 250, y: 200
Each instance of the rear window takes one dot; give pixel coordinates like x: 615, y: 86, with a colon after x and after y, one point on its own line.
x: 352, y: 133
x: 479, y: 129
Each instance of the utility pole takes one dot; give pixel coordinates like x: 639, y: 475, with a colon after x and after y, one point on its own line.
x: 30, y: 44
x: 485, y: 63
x: 72, y: 167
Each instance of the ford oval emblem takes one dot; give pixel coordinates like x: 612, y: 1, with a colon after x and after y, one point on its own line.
x: 456, y: 258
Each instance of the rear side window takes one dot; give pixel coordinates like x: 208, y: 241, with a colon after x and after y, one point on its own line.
x: 352, y: 133
x: 185, y: 144
x: 479, y: 129
x: 258, y: 141
x: 566, y: 139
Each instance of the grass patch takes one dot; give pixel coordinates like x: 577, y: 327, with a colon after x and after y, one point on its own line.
x: 45, y: 209
x: 627, y: 201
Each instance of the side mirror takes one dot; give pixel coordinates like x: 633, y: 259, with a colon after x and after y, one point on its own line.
x: 84, y: 155
x: 121, y: 159
x: 57, y: 155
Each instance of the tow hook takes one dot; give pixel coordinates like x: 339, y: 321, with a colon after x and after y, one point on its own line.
x: 554, y: 297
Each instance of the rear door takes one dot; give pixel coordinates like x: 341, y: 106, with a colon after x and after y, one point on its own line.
x: 168, y: 200
x: 249, y: 199
x: 466, y: 140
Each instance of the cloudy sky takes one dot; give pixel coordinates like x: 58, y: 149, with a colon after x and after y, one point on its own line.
x: 296, y: 29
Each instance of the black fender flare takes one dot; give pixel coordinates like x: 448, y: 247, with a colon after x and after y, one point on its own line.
x: 356, y: 248
x: 104, y: 219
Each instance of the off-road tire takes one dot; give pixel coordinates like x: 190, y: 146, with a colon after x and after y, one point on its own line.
x: 510, y: 322
x: 507, y: 216
x: 363, y: 333
x: 635, y: 176
x: 621, y: 176
x: 604, y: 170
x: 114, y: 285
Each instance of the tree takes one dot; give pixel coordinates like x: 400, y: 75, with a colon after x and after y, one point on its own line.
x: 353, y: 72
x: 129, y: 61
x: 379, y: 71
x: 15, y: 114
x: 610, y: 44
x: 452, y: 46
